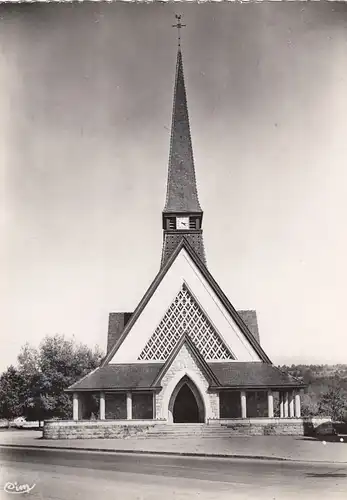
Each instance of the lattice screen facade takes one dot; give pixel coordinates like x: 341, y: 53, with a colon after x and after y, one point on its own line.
x: 185, y: 315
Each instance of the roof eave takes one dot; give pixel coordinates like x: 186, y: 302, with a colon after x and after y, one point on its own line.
x: 258, y: 387
x: 146, y: 388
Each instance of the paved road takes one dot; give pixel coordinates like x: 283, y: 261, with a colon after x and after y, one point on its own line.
x: 69, y: 475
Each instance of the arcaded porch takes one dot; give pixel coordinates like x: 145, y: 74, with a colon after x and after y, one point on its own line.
x: 250, y: 403
x: 113, y: 406
x: 232, y: 404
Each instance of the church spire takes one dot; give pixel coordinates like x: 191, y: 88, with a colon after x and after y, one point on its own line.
x: 182, y: 214
x: 182, y: 194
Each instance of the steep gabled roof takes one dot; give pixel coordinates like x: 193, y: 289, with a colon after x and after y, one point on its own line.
x: 182, y: 194
x: 215, y: 287
x: 186, y: 340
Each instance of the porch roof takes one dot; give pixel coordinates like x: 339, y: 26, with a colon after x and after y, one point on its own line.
x: 142, y: 376
x: 253, y: 374
x: 117, y: 377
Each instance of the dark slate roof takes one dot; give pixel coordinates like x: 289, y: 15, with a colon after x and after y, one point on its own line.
x: 250, y: 320
x: 125, y: 376
x: 182, y: 194
x: 116, y: 323
x: 252, y: 375
x: 232, y: 374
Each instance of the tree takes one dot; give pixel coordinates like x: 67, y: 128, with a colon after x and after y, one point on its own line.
x: 28, y: 360
x: 309, y: 406
x: 333, y: 403
x: 12, y: 393
x: 49, y: 370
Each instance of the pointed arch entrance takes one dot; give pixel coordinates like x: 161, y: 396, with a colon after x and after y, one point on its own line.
x: 186, y: 404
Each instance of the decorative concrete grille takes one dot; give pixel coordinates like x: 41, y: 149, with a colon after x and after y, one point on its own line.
x: 184, y: 315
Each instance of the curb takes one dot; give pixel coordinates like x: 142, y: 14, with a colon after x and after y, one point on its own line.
x: 147, y: 452
x: 166, y: 453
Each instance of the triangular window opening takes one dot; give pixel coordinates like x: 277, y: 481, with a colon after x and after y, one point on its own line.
x: 185, y: 316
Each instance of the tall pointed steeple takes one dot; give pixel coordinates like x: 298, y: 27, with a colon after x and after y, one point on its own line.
x: 182, y: 214
x: 182, y: 193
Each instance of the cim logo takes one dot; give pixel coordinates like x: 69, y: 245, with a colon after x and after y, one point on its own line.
x: 18, y: 488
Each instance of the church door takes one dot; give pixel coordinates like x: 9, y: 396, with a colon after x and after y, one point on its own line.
x: 185, y: 407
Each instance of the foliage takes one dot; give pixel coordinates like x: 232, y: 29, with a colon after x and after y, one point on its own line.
x: 309, y: 405
x: 333, y: 403
x: 36, y: 388
x: 12, y: 393
x: 327, y: 389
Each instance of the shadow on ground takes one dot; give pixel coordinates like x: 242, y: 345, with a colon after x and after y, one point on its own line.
x: 324, y: 475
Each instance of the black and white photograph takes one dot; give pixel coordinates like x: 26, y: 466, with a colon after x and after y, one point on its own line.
x: 173, y: 250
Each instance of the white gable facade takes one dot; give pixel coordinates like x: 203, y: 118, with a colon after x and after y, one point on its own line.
x: 184, y: 273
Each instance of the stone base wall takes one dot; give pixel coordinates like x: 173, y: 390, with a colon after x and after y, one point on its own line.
x: 98, y: 429
x: 277, y: 426
x: 122, y: 429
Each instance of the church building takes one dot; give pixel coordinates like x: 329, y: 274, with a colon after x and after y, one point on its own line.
x: 185, y: 355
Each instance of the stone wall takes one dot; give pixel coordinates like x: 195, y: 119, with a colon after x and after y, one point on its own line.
x: 86, y: 429
x: 277, y: 426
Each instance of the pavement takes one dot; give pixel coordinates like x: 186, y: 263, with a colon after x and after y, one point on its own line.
x: 288, y: 448
x: 51, y: 474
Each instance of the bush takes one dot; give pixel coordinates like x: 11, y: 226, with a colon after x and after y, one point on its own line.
x: 333, y: 403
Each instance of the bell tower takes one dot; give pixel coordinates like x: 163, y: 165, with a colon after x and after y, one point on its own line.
x: 182, y: 214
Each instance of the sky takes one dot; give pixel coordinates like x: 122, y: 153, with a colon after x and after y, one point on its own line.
x: 86, y: 100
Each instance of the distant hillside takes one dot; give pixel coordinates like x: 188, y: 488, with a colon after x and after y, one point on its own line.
x: 320, y: 378
x: 312, y: 374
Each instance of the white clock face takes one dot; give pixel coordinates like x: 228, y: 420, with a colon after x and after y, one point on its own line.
x: 182, y: 222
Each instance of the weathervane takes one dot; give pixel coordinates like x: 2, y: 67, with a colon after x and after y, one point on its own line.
x: 179, y: 25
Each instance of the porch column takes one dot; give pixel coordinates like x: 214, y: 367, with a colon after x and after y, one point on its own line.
x: 243, y: 404
x: 281, y: 405
x: 270, y: 403
x: 285, y: 405
x: 129, y: 406
x: 154, y: 406
x: 297, y: 405
x: 102, y: 406
x: 75, y: 406
x: 291, y: 404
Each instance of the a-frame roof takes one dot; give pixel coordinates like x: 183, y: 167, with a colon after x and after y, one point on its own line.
x: 215, y: 287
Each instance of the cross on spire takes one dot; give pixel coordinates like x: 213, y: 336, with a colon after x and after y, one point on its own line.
x: 178, y: 25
